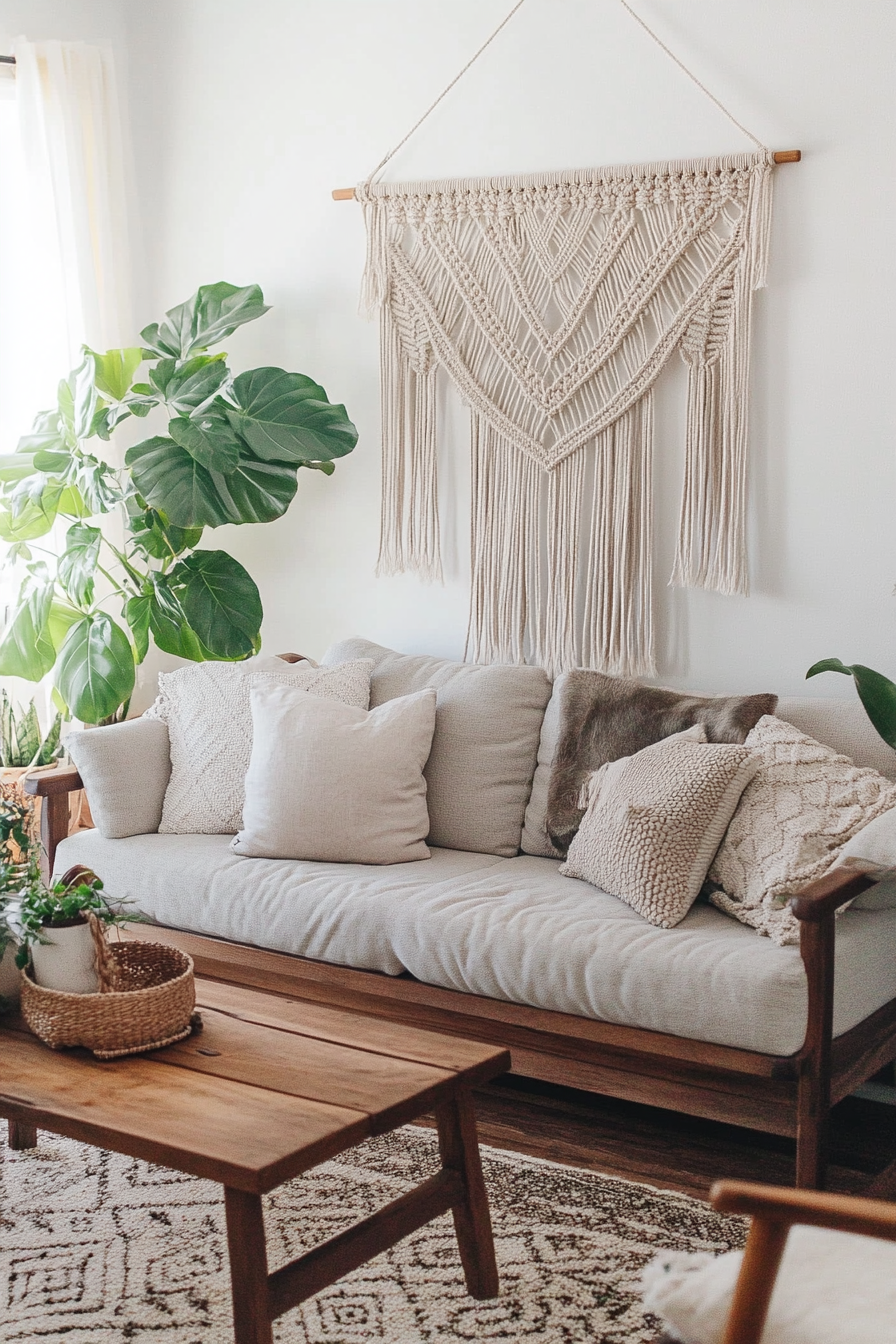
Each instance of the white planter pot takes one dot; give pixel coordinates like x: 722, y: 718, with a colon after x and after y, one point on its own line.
x: 9, y: 974
x: 68, y: 961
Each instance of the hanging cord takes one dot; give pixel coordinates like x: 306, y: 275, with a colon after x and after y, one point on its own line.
x: 671, y: 54
x: 475, y: 57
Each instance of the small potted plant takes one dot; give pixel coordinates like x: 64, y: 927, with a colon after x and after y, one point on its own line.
x: 55, y: 935
x: 49, y: 921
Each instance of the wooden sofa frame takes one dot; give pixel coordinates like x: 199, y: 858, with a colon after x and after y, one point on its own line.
x: 779, y: 1094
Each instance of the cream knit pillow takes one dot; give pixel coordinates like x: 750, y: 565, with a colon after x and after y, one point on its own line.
x: 206, y: 708
x: 795, y: 817
x: 654, y: 821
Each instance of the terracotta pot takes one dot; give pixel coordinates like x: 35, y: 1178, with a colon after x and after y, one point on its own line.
x: 9, y: 974
x: 67, y: 961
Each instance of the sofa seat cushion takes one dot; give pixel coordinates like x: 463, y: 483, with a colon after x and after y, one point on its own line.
x: 510, y: 929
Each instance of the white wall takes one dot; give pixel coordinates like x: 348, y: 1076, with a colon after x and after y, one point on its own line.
x: 246, y: 113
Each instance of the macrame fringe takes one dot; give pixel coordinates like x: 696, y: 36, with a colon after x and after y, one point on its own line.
x: 409, y: 519
x: 541, y: 591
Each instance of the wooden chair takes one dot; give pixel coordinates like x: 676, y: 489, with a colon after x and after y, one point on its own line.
x: 774, y: 1210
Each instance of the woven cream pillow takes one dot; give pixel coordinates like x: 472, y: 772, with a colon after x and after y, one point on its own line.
x: 207, y: 710
x: 654, y: 821
x: 793, y: 820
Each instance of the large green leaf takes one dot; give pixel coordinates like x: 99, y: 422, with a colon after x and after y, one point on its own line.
x: 170, y: 479
x: 186, y: 387
x: 285, y: 417
x: 30, y: 517
x: 77, y: 564
x: 98, y: 485
x: 62, y: 617
x: 95, y: 670
x: 209, y: 439
x: 257, y: 492
x: 26, y: 649
x: 212, y: 314
x: 46, y: 432
x: 15, y: 467
x: 158, y: 537
x: 220, y: 601
x: 77, y: 400
x: 114, y: 371
x: 876, y: 692
x: 136, y: 613
x: 169, y: 626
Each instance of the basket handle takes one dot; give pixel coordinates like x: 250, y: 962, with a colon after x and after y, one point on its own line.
x: 105, y: 966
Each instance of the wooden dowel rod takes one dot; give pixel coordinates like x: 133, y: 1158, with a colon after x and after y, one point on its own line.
x: 780, y: 156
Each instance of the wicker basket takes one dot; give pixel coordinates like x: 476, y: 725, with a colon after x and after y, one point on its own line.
x: 146, y: 1000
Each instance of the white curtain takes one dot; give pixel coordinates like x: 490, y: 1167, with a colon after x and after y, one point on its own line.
x: 71, y: 132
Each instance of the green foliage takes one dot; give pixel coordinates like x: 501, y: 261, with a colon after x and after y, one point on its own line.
x: 231, y: 454
x: 21, y: 740
x: 876, y: 692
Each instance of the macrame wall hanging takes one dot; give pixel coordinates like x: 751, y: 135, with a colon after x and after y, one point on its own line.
x: 553, y: 302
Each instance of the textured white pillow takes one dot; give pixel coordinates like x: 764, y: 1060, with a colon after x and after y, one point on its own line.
x: 654, y: 821
x: 793, y: 820
x: 832, y: 1288
x: 336, y: 784
x: 206, y: 707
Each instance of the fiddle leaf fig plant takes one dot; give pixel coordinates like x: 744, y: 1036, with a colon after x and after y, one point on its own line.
x: 230, y: 453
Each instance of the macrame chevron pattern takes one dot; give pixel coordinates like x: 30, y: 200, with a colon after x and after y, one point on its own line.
x: 553, y: 302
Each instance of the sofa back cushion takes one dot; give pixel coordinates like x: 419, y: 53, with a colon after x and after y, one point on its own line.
x: 488, y: 722
x: 843, y: 725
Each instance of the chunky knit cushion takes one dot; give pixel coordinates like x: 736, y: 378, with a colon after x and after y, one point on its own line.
x: 207, y: 709
x: 654, y: 821
x: 793, y: 820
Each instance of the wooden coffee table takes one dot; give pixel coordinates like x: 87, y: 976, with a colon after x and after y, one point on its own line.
x: 268, y: 1089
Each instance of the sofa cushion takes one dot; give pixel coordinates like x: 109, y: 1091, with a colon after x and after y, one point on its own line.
x: 488, y: 721
x: 654, y: 821
x: 593, y: 719
x: 206, y: 708
x: 510, y: 929
x: 125, y: 768
x: 329, y: 781
x: 795, y: 816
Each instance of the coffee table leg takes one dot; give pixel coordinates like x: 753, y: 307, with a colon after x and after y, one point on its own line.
x: 248, y: 1268
x: 459, y: 1148
x: 21, y: 1136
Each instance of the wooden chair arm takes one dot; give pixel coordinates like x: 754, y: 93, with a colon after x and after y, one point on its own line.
x: 774, y: 1210
x: 818, y: 1208
x: 54, y: 782
x: 822, y: 897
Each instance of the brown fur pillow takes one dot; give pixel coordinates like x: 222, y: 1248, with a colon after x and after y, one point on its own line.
x: 604, y: 718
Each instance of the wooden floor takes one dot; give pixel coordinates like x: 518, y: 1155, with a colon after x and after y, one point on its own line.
x: 677, y: 1152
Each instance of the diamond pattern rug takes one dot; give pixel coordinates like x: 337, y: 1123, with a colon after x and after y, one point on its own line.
x: 96, y: 1248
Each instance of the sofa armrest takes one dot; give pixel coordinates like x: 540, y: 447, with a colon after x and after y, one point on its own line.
x: 54, y: 782
x: 825, y: 896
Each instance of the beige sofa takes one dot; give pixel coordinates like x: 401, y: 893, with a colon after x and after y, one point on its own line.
x: 708, y: 1017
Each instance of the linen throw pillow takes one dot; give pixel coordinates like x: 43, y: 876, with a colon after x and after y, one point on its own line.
x: 488, y: 719
x: 795, y: 816
x: 603, y: 718
x: 206, y: 707
x: 334, y: 783
x: 654, y: 821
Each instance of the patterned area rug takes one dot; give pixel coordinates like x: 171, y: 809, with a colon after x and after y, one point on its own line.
x: 97, y: 1248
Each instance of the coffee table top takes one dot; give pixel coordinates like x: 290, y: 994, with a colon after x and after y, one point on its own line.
x: 269, y: 1088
